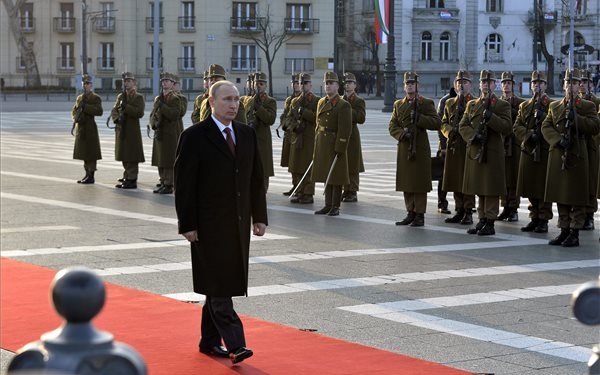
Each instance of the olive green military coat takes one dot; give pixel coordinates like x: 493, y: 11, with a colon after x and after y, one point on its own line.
x: 593, y: 155
x: 284, y: 123
x: 87, y: 140
x: 303, y: 111
x: 197, y: 106
x: 128, y: 136
x: 456, y: 147
x: 413, y: 176
x: 531, y: 181
x: 512, y: 151
x: 355, y: 157
x: 183, y: 105
x: 333, y: 130
x: 487, y: 179
x: 167, y: 134
x: 571, y: 185
x: 263, y: 117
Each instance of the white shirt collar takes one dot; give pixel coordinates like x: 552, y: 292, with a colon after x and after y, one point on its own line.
x: 222, y: 127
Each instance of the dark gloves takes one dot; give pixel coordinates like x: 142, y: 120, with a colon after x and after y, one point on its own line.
x: 257, y: 104
x: 487, y: 114
x: 564, y: 142
x: 300, y: 111
x: 539, y: 114
x: 571, y: 115
x: 534, y: 137
x: 478, y: 138
x: 453, y: 133
x: 407, y: 136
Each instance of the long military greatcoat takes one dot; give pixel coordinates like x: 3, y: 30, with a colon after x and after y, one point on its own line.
x: 197, y: 106
x: 128, y: 136
x: 87, y: 141
x: 264, y: 116
x: 355, y: 157
x: 593, y: 155
x: 413, y: 176
x: 571, y: 185
x: 456, y: 147
x: 488, y: 178
x: 334, y: 127
x: 531, y: 181
x: 512, y: 151
x: 284, y: 120
x: 167, y: 133
x: 183, y: 105
x: 303, y: 132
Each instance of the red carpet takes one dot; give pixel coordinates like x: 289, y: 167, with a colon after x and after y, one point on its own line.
x: 165, y: 333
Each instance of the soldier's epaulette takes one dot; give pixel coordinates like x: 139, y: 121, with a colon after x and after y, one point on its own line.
x: 421, y: 99
x: 578, y: 102
x: 493, y: 101
x: 335, y: 100
x: 468, y: 97
x: 309, y: 97
x: 545, y: 100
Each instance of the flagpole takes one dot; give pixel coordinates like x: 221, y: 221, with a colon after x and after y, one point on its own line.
x: 389, y: 72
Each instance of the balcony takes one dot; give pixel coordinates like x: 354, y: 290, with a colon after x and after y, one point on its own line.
x: 242, y: 64
x: 104, y: 25
x: 581, y: 19
x: 186, y: 24
x: 150, y: 24
x: 65, y: 64
x: 240, y: 25
x: 150, y: 64
x: 20, y: 64
x: 27, y: 24
x: 105, y: 64
x: 64, y: 25
x: 294, y: 66
x: 301, y: 25
x: 186, y: 64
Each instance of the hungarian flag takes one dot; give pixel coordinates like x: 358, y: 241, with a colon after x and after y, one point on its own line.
x: 382, y: 20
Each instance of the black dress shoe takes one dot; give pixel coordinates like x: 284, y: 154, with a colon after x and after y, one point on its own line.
x: 323, y: 211
x: 166, y: 189
x: 289, y: 192
x: 456, y: 218
x: 217, y: 351
x: 121, y: 179
x: 444, y: 210
x: 479, y: 226
x: 350, y: 197
x: 542, y: 227
x: 588, y: 224
x: 128, y: 184
x: 513, y: 216
x: 408, y: 219
x: 504, y: 214
x: 334, y: 211
x: 302, y: 199
x: 240, y: 354
x: 530, y: 227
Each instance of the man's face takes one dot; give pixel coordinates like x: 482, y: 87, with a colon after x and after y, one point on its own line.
x: 87, y: 87
x: 167, y: 84
x: 487, y: 86
x: 296, y: 86
x: 177, y: 87
x: 538, y: 85
x: 571, y: 85
x: 260, y: 86
x: 410, y: 88
x: 507, y: 87
x: 350, y: 87
x: 225, y: 103
x: 583, y: 87
x: 331, y: 88
x: 206, y: 83
x: 306, y: 87
x: 129, y: 83
x: 212, y: 80
x: 466, y: 86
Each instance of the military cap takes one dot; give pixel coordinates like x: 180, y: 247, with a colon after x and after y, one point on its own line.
x: 86, y: 78
x: 507, y: 76
x: 128, y: 75
x: 216, y: 70
x: 330, y: 76
x: 463, y: 74
x: 167, y: 76
x: 305, y: 77
x: 411, y: 77
x: 585, y: 75
x: 205, y: 75
x: 260, y: 77
x: 349, y: 77
x: 485, y: 73
x: 536, y: 75
x: 295, y: 77
x: 572, y: 74
x: 176, y: 78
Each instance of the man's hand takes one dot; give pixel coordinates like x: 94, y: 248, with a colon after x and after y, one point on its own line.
x: 539, y: 114
x: 478, y: 138
x: 487, y: 114
x: 534, y: 137
x: 571, y: 116
x: 407, y: 135
x: 259, y: 229
x: 564, y: 142
x: 191, y: 236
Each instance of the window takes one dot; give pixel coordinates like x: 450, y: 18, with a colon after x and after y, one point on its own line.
x: 27, y: 21
x: 341, y: 16
x: 106, y: 21
x: 67, y: 21
x: 187, y: 57
x: 298, y: 58
x: 66, y: 60
x: 426, y: 46
x: 106, y: 59
x: 298, y: 15
x: 493, y: 48
x: 445, y: 46
x: 494, y: 6
x: 187, y: 84
x: 368, y: 6
x: 244, y: 15
x: 150, y: 60
x: 188, y: 18
x: 435, y: 3
x: 244, y: 57
x: 150, y: 18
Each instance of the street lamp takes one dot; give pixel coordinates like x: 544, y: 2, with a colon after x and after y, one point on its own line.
x: 390, y: 67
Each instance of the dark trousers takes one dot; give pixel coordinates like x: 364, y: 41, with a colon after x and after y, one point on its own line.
x: 442, y: 200
x: 333, y: 195
x: 221, y: 322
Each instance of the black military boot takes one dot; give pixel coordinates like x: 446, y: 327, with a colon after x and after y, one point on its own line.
x: 479, y: 226
x: 542, y: 227
x: 572, y: 239
x: 323, y: 211
x: 84, y: 178
x: 336, y: 200
x: 558, y: 240
x: 530, y: 227
x: 504, y: 214
x: 513, y: 216
x: 588, y: 224
x: 468, y: 218
x: 335, y: 211
x: 419, y: 221
x: 350, y: 197
x: 166, y: 189
x: 128, y: 184
x: 460, y: 213
x: 488, y: 229
x: 408, y: 219
x: 89, y: 179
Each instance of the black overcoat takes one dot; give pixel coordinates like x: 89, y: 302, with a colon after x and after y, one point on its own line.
x: 220, y: 196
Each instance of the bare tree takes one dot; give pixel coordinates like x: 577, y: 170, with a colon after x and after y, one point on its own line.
x: 540, y: 32
x: 368, y: 42
x: 32, y: 73
x: 268, y: 39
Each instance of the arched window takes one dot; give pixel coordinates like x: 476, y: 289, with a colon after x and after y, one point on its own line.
x: 445, y: 46
x: 426, y: 46
x: 493, y: 48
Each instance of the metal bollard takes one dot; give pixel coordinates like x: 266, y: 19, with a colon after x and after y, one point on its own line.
x: 585, y: 302
x: 76, y: 347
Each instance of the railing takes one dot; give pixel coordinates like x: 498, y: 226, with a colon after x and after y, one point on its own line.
x: 186, y: 24
x: 105, y: 25
x: 299, y: 65
x: 150, y: 64
x: 241, y: 24
x: 186, y: 64
x: 150, y: 24
x: 64, y: 24
x: 27, y: 24
x: 105, y: 64
x: 302, y: 25
x: 65, y: 64
x: 242, y: 64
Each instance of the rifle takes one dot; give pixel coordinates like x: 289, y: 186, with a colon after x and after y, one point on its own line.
x: 299, y: 128
x: 78, y: 113
x: 537, y: 130
x: 156, y: 116
x: 120, y: 106
x: 482, y: 133
x: 566, y: 140
x: 460, y: 110
x: 412, y: 130
x: 508, y: 140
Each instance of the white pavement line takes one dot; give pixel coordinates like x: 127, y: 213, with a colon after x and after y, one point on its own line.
x: 37, y: 229
x: 405, y: 312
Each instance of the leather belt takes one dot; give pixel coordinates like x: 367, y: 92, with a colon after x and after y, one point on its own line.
x: 328, y: 130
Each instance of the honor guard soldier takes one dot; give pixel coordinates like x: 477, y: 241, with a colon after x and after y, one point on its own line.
x: 456, y: 150
x: 164, y: 120
x: 87, y: 142
x: 485, y: 124
x: 334, y: 126
x: 411, y: 118
x: 565, y: 128
x: 441, y: 154
x: 533, y: 162
x: 183, y: 102
x: 202, y: 109
x: 585, y: 90
x: 511, y: 201
x: 203, y: 97
x: 261, y: 113
x: 284, y: 123
x: 355, y: 158
x: 303, y: 111
x: 126, y: 115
